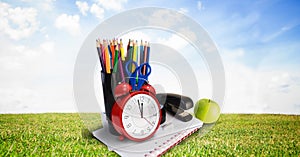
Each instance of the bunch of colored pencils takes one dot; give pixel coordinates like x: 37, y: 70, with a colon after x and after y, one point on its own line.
x: 113, y: 57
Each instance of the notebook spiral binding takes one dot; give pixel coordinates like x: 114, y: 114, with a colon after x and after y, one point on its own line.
x: 173, y: 141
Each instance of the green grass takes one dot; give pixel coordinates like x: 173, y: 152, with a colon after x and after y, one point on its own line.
x: 233, y: 135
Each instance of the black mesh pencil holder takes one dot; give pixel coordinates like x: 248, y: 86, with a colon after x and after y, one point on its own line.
x: 109, y: 82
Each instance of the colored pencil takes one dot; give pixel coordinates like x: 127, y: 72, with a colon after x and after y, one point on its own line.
x: 121, y: 68
x: 112, y: 56
x: 116, y: 59
x: 134, y: 55
x: 122, y: 50
x: 112, y: 48
x: 148, y: 52
x: 130, y: 55
x: 107, y: 58
x: 145, y: 57
x: 98, y: 45
x: 141, y: 52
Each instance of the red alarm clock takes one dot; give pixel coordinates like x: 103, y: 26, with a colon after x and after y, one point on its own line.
x: 136, y: 115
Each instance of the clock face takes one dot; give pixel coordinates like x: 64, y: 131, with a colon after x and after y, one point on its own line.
x: 140, y: 116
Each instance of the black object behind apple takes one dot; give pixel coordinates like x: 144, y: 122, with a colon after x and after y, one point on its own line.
x: 177, y: 100
x: 178, y: 112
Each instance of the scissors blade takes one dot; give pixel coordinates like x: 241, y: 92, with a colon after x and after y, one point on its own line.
x: 133, y: 80
x: 141, y: 82
x: 143, y: 77
x: 132, y: 75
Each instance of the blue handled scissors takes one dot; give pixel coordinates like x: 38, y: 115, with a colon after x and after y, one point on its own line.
x: 137, y: 77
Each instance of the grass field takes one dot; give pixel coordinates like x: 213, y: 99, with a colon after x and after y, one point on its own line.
x: 233, y: 135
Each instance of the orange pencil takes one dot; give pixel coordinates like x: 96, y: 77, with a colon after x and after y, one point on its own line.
x: 107, y: 59
x: 112, y: 49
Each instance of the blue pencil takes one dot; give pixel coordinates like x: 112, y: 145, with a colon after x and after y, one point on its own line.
x: 98, y: 45
x: 110, y: 56
x: 141, y: 53
x: 148, y: 52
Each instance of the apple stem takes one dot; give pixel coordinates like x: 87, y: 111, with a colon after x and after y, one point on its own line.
x: 208, y: 100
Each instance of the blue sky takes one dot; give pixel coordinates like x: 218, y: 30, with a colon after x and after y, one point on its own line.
x: 258, y: 40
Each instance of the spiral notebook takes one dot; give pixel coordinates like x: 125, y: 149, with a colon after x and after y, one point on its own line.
x: 167, y: 136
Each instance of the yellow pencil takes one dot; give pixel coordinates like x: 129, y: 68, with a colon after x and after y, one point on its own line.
x: 134, y: 56
x: 122, y: 50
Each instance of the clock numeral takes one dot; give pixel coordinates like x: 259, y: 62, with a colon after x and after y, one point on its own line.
x: 128, y: 107
x: 142, y: 132
x: 128, y: 125
x: 126, y: 117
x: 153, y: 122
x: 148, y: 128
x: 142, y: 98
x: 134, y: 101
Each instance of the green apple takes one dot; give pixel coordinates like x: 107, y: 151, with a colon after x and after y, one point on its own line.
x: 207, y: 110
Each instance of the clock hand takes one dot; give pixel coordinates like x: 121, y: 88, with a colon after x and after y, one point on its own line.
x: 148, y: 121
x: 140, y: 108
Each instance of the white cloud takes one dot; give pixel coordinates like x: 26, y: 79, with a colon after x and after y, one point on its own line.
x: 183, y: 10
x: 164, y: 18
x: 200, y: 5
x: 115, y: 5
x: 47, y: 46
x: 174, y: 41
x: 233, y: 54
x: 278, y: 90
x: 68, y: 23
x: 232, y: 31
x: 48, y: 5
x: 137, y: 35
x: 240, y: 89
x: 17, y: 23
x: 98, y: 8
x: 36, y: 100
x: 33, y: 80
x: 264, y: 89
x: 17, y: 56
x: 14, y: 99
x: 21, y: 64
x: 279, y: 32
x: 83, y: 7
x: 97, y: 11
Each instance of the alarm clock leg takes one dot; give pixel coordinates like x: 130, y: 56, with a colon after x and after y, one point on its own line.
x: 121, y: 137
